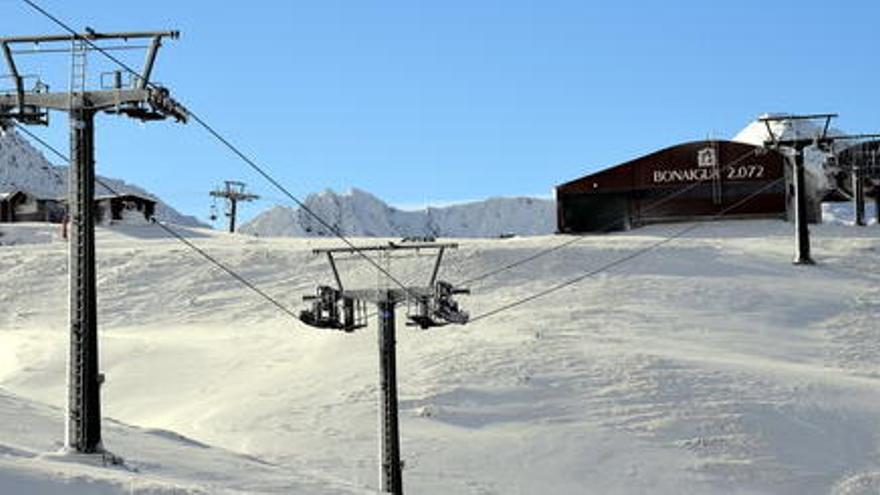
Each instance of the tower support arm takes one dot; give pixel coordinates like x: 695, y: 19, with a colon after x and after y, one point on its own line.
x: 149, y: 62
x: 16, y: 77
x: 96, y: 100
x: 158, y: 99
x: 7, y: 54
x: 91, y: 36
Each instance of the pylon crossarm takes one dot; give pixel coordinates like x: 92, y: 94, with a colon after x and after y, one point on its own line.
x: 91, y: 36
x: 115, y: 101
x: 391, y: 246
x: 388, y: 295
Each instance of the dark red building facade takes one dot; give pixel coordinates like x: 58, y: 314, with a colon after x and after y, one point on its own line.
x: 693, y: 181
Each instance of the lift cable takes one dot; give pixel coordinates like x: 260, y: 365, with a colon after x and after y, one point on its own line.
x: 234, y: 149
x: 169, y: 230
x: 615, y: 221
x: 621, y: 260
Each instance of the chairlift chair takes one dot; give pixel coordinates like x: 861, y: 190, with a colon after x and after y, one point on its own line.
x: 324, y: 312
x: 438, y: 309
x: 354, y: 314
x: 419, y: 313
x: 332, y: 309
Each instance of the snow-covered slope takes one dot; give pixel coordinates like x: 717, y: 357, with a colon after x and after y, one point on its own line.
x: 844, y: 213
x: 22, y: 167
x: 709, y: 365
x: 359, y: 213
x: 159, y: 462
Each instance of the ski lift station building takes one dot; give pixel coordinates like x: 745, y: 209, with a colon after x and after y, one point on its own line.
x: 700, y: 180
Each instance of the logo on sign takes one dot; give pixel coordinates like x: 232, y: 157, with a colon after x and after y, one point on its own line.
x: 707, y: 158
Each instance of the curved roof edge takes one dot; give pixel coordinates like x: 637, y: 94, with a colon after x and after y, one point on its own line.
x: 687, y: 144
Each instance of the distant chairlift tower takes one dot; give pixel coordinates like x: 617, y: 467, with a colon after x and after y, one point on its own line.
x: 233, y: 193
x: 343, y: 309
x: 142, y: 100
x: 864, y: 167
x: 799, y: 144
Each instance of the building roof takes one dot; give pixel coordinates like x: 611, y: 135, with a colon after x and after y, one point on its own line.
x: 101, y: 197
x: 639, y: 173
x: 8, y: 193
x: 125, y: 195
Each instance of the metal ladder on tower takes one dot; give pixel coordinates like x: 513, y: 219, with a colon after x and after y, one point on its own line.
x: 78, y: 62
x: 78, y: 76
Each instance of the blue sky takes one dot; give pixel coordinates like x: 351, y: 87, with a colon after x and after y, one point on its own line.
x: 431, y: 102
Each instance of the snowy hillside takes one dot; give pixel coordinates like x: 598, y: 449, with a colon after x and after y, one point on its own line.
x: 844, y: 213
x: 161, y: 462
x: 710, y: 365
x: 22, y: 167
x: 359, y: 213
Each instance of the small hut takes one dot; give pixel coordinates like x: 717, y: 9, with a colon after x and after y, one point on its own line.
x: 124, y: 208
x: 20, y: 206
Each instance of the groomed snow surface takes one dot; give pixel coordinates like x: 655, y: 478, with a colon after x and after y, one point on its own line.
x: 708, y: 365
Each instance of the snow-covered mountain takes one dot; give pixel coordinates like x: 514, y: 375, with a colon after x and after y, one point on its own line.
x: 23, y: 167
x: 359, y: 213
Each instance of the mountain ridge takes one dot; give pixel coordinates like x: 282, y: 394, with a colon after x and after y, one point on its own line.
x: 359, y: 213
x: 23, y: 167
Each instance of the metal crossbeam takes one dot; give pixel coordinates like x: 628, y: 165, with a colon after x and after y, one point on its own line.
x: 91, y: 36
x: 391, y: 246
x: 814, y: 116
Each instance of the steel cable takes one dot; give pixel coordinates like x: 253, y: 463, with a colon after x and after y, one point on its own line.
x: 169, y: 230
x: 228, y: 144
x: 608, y: 225
x: 621, y: 260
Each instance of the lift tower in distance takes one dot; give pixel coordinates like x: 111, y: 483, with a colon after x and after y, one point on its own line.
x: 344, y: 309
x: 233, y: 193
x: 798, y: 144
x: 824, y: 142
x: 29, y: 102
x: 863, y: 165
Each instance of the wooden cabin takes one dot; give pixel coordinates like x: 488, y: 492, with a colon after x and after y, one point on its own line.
x: 124, y: 208
x: 21, y: 206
